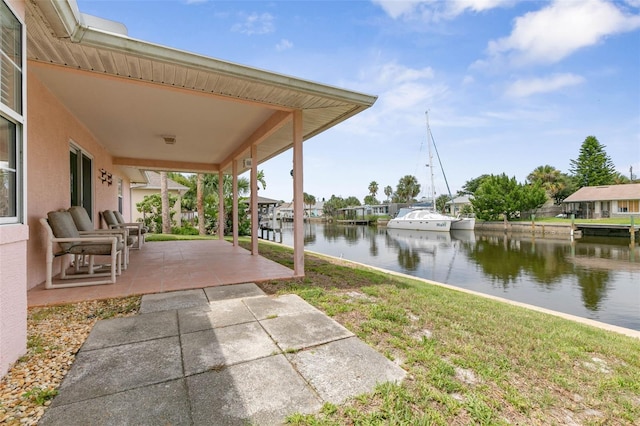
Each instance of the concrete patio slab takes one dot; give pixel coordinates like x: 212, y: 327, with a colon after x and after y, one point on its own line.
x: 235, y: 291
x: 345, y: 368
x: 217, y: 314
x: 160, y: 404
x: 304, y: 330
x: 261, y: 392
x: 172, y: 300
x: 270, y: 307
x: 215, y: 363
x: 120, y: 331
x: 105, y: 371
x: 215, y: 348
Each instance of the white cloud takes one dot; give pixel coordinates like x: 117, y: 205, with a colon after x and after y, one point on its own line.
x: 558, y: 30
x: 393, y: 73
x: 468, y: 79
x: 526, y: 87
x: 255, y: 24
x: 430, y: 10
x: 284, y: 44
x: 397, y: 8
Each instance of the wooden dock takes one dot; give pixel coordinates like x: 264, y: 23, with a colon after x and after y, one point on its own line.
x: 353, y: 222
x: 608, y: 230
x: 271, y: 233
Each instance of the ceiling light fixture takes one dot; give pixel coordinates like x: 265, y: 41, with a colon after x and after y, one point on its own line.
x: 169, y: 140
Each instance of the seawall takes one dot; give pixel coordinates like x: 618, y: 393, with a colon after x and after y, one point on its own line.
x: 541, y: 228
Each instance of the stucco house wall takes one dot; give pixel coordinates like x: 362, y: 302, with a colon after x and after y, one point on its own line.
x: 138, y: 194
x: 139, y: 191
x: 13, y: 281
x: 50, y: 131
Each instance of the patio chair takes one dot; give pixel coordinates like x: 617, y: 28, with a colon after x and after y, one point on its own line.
x: 85, y: 227
x: 114, y: 219
x: 61, y: 230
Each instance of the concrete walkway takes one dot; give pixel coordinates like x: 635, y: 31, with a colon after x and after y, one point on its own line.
x: 220, y: 355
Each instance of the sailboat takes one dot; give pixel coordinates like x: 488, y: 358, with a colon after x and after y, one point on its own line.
x: 427, y: 219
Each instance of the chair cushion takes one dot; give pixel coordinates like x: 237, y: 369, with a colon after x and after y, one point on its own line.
x: 110, y: 218
x: 93, y: 248
x: 81, y: 218
x: 119, y: 216
x: 63, y: 226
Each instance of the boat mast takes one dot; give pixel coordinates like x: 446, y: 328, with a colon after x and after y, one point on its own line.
x: 430, y: 165
x: 433, y: 141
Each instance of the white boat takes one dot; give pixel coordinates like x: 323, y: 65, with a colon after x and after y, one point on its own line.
x: 463, y: 223
x: 420, y: 219
x: 426, y: 218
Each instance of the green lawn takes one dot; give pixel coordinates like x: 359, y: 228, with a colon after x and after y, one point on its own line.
x: 175, y: 237
x: 470, y: 360
x: 614, y: 221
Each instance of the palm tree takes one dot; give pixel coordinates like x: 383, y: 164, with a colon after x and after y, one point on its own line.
x: 388, y: 190
x: 200, y: 203
x: 164, y: 195
x: 552, y: 180
x: 260, y: 179
x: 373, y: 188
x: 408, y: 187
x: 309, y: 200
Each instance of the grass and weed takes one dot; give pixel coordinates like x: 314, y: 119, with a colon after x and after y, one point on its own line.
x: 470, y: 360
x: 178, y: 237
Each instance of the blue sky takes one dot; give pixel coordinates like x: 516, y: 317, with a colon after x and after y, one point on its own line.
x: 509, y: 85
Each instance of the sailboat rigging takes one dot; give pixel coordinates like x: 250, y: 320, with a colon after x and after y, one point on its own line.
x: 427, y: 219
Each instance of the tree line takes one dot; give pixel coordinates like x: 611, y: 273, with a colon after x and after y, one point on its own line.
x: 492, y: 196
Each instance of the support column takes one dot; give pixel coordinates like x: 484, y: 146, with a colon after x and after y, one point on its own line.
x: 234, y: 168
x: 220, y: 205
x: 298, y: 201
x: 254, y: 200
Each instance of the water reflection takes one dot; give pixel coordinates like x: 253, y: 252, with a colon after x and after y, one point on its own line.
x: 592, y: 277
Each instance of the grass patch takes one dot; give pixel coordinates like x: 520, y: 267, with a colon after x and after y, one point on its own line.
x: 178, y: 237
x: 609, y: 221
x: 470, y: 360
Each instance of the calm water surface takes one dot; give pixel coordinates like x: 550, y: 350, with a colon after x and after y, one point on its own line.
x: 596, y: 278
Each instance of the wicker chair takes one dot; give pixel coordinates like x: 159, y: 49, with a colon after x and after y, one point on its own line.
x: 61, y: 230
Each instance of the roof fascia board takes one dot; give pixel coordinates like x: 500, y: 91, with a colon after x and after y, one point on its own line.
x: 64, y: 17
x: 78, y: 32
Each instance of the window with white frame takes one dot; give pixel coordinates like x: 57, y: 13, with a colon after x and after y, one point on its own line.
x: 11, y: 116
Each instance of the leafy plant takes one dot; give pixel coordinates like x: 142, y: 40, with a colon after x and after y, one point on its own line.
x: 39, y: 395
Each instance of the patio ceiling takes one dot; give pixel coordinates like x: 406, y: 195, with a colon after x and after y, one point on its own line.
x: 131, y: 93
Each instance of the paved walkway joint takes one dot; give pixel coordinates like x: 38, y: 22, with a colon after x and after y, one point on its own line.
x: 221, y: 355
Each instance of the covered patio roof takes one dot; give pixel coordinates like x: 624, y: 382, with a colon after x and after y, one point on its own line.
x: 136, y: 96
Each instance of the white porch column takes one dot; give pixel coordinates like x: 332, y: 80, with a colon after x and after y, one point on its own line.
x: 220, y: 205
x: 298, y: 202
x: 254, y: 200
x: 234, y: 168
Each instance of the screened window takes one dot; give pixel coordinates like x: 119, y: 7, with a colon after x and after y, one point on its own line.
x: 629, y: 206
x: 10, y: 116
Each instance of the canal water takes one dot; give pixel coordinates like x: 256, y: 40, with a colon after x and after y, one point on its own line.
x: 591, y: 277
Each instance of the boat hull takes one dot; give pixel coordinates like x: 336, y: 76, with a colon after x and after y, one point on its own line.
x: 464, y: 224
x: 420, y: 225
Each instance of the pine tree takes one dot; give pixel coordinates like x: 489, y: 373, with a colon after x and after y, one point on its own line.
x: 593, y: 166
